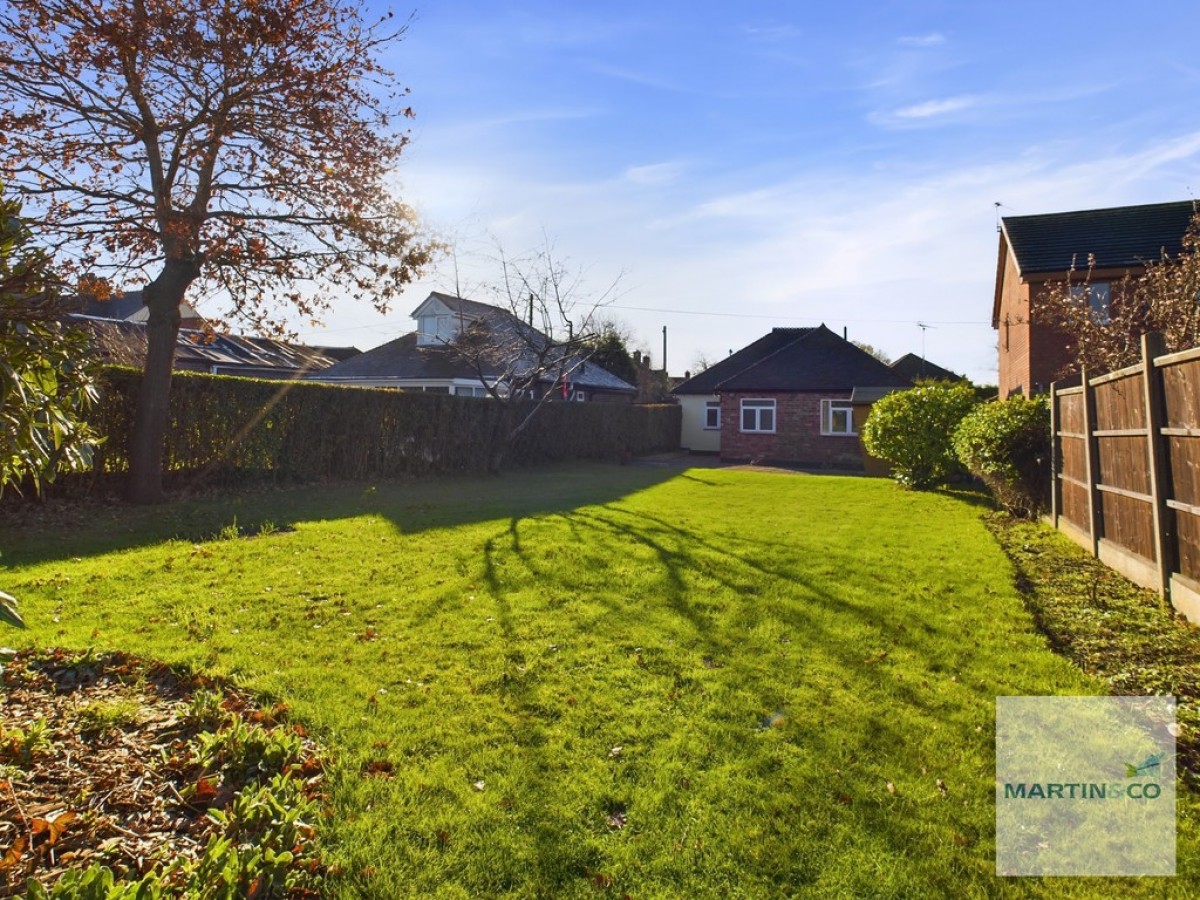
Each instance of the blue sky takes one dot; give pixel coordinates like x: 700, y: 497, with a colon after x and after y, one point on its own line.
x: 744, y: 166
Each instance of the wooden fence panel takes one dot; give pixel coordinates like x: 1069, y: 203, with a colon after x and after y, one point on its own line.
x: 1127, y: 460
x: 1181, y: 390
x: 1128, y: 523
x: 1119, y: 401
x: 1124, y: 463
x: 1180, y: 374
x: 1070, y: 411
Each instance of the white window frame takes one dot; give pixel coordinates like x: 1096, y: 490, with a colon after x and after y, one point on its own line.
x: 435, y: 330
x: 827, y: 408
x: 711, y: 406
x: 757, y: 406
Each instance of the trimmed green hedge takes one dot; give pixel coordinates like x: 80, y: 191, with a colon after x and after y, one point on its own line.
x: 913, y: 430
x: 241, y: 429
x: 1006, y: 444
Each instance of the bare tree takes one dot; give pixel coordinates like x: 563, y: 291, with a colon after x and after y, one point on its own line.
x: 1103, y: 323
x: 539, y: 329
x: 873, y: 351
x: 245, y: 147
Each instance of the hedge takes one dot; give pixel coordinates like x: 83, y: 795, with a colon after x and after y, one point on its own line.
x: 1006, y: 444
x: 913, y: 431
x: 233, y: 430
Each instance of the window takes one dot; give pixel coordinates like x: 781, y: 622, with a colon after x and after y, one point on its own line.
x: 837, y: 418
x: 435, y: 330
x: 463, y: 391
x: 579, y: 396
x: 712, y: 415
x: 758, y: 416
x: 1098, y: 296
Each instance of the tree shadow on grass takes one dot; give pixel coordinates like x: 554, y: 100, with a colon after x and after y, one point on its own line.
x: 64, y: 530
x: 825, y: 616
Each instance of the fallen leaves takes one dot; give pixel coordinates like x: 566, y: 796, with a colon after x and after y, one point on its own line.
x: 13, y: 855
x: 124, y: 796
x: 379, y: 768
x: 53, y: 829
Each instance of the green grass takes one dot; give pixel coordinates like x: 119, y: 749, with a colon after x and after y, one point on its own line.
x: 769, y: 652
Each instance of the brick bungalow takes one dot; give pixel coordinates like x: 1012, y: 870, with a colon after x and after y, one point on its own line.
x: 796, y: 396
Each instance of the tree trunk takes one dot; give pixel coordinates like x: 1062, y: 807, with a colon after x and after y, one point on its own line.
x: 162, y: 297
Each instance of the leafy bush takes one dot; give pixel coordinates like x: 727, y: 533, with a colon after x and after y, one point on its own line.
x: 46, y: 373
x: 912, y: 431
x: 1007, y: 445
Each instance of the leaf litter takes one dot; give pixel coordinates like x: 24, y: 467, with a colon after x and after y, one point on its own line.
x: 129, y: 795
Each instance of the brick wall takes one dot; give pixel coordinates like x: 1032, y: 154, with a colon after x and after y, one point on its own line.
x: 797, y: 439
x: 1032, y: 355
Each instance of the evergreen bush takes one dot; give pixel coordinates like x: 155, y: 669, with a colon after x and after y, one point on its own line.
x: 1006, y: 444
x: 912, y: 431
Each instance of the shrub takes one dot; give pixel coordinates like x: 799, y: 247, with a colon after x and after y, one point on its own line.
x: 912, y: 431
x: 1007, y: 445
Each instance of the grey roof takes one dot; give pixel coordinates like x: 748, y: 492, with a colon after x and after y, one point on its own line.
x: 403, y: 359
x: 1119, y: 237
x: 227, y: 353
x: 871, y: 394
x: 796, y: 359
x: 706, y: 382
x: 118, y: 306
x: 465, y: 307
x: 914, y: 367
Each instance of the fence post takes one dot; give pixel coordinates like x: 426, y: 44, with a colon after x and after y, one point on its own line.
x: 1164, y: 539
x: 1092, y: 455
x: 1055, y: 481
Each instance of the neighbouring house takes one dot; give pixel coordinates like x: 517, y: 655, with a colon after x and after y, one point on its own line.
x: 123, y: 342
x: 796, y: 396
x: 431, y: 359
x: 917, y: 368
x: 127, y: 306
x: 1037, y: 251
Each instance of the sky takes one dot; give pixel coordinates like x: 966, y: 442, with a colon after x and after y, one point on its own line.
x: 735, y: 167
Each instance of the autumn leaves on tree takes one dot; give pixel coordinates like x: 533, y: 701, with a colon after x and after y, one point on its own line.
x: 246, y: 148
x: 1104, y: 326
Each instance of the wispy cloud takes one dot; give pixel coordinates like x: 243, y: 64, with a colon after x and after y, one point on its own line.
x: 925, y: 112
x: 931, y: 108
x: 655, y: 173
x: 933, y: 39
x: 636, y: 77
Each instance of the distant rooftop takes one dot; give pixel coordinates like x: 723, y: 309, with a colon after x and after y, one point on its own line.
x: 795, y: 359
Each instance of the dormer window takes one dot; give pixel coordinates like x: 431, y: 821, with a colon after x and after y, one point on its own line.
x: 435, y: 330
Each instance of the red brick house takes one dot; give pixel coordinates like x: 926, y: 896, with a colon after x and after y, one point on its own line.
x: 1037, y: 251
x: 796, y: 396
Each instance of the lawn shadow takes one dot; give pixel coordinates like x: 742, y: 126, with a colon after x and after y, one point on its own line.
x: 829, y: 618
x: 66, y: 529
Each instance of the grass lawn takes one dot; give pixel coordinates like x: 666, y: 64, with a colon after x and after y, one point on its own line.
x: 598, y: 681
